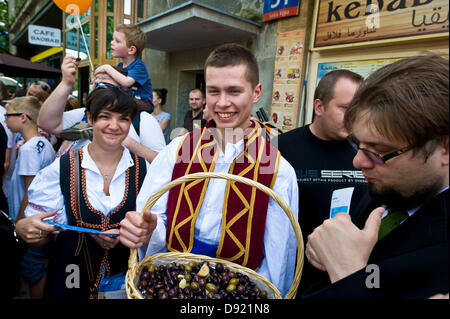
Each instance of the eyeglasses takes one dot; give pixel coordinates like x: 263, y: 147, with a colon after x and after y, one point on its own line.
x: 105, y: 85
x: 44, y: 86
x: 373, y: 156
x: 16, y: 114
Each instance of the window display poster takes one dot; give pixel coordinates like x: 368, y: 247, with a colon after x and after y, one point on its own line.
x: 287, y: 79
x: 363, y: 67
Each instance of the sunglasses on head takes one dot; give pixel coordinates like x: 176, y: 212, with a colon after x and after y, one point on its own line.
x: 44, y: 86
x: 16, y: 114
x: 105, y: 85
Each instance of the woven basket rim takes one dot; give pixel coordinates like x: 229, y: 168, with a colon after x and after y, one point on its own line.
x: 134, y: 265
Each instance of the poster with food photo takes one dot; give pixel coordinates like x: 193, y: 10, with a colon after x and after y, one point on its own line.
x: 287, y: 79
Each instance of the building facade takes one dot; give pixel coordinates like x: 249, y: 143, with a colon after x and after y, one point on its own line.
x: 295, y: 42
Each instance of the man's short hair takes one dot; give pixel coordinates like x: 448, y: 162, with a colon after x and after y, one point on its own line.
x: 29, y: 105
x: 233, y: 55
x: 111, y: 98
x: 325, y: 88
x: 133, y: 35
x: 406, y: 101
x: 198, y: 90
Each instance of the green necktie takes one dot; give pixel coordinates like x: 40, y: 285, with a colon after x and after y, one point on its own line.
x: 391, y: 221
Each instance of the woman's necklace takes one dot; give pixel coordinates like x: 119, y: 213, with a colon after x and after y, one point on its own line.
x: 106, y: 174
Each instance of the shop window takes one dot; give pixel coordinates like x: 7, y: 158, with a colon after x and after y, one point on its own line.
x: 110, y: 5
x: 140, y: 8
x: 109, y: 36
x: 127, y: 7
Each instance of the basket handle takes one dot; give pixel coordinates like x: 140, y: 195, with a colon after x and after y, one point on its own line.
x: 133, y: 260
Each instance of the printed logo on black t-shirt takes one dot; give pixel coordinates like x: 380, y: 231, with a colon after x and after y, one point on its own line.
x: 329, y: 176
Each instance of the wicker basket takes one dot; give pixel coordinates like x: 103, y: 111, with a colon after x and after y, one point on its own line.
x: 134, y: 267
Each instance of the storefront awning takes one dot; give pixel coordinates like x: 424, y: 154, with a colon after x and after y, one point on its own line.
x: 193, y: 25
x: 17, y: 67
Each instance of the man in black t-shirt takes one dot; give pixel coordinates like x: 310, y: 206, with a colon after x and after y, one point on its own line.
x: 322, y: 157
x: 194, y: 117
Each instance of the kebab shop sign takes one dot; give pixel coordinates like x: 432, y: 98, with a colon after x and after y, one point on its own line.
x: 345, y: 22
x: 46, y: 36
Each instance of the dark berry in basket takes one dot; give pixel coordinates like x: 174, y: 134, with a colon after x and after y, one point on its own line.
x: 196, y: 281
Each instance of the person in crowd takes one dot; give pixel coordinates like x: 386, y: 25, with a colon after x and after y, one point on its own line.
x: 52, y: 117
x: 20, y: 92
x: 106, y: 163
x: 10, y: 248
x: 163, y: 118
x: 4, y: 94
x: 6, y: 176
x: 399, y: 124
x: 35, y: 154
x: 39, y: 89
x: 232, y: 87
x: 3, y: 148
x: 322, y: 157
x: 194, y: 117
x: 127, y: 44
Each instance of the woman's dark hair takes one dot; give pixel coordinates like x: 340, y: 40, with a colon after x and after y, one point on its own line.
x: 113, y: 99
x: 162, y: 94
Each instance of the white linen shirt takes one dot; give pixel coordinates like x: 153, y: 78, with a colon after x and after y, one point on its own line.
x: 45, y: 191
x: 280, y: 244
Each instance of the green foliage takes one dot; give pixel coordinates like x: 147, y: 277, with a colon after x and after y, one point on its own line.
x: 4, y: 26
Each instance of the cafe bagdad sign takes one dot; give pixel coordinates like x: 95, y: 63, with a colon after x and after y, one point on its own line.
x: 344, y: 22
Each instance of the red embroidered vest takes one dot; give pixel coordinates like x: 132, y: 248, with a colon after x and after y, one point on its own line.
x: 244, y: 208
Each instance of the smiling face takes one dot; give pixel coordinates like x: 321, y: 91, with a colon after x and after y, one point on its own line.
x: 110, y: 128
x: 230, y: 96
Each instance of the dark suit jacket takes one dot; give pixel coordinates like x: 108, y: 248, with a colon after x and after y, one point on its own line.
x: 413, y: 259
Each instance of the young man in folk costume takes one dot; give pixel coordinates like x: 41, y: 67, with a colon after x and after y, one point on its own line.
x: 216, y: 217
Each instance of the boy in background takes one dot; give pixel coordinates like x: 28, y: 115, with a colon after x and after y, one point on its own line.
x: 127, y: 44
x: 35, y: 154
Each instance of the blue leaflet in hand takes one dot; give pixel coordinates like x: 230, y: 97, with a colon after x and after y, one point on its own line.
x: 80, y: 229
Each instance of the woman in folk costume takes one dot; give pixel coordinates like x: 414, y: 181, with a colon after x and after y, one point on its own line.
x: 92, y: 187
x: 216, y: 217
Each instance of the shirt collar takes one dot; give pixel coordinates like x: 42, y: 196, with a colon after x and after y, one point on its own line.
x: 125, y: 162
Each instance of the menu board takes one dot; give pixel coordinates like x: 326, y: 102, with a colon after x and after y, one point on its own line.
x: 287, y: 79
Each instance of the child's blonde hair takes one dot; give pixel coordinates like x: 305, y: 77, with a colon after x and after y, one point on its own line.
x: 28, y: 105
x: 134, y: 36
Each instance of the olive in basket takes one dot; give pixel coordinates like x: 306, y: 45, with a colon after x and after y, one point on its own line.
x: 196, y: 281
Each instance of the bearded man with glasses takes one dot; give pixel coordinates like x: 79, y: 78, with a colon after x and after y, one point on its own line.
x: 399, y: 121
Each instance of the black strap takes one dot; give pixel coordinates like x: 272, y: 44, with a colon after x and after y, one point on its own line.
x: 82, y: 242
x: 137, y: 123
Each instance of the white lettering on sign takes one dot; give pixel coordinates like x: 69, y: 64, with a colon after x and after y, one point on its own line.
x: 276, y: 4
x: 46, y: 36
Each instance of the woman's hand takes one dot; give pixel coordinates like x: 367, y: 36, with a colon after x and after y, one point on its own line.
x: 104, y: 240
x: 33, y: 230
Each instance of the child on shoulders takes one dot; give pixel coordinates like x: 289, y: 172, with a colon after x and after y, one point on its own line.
x: 127, y: 44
